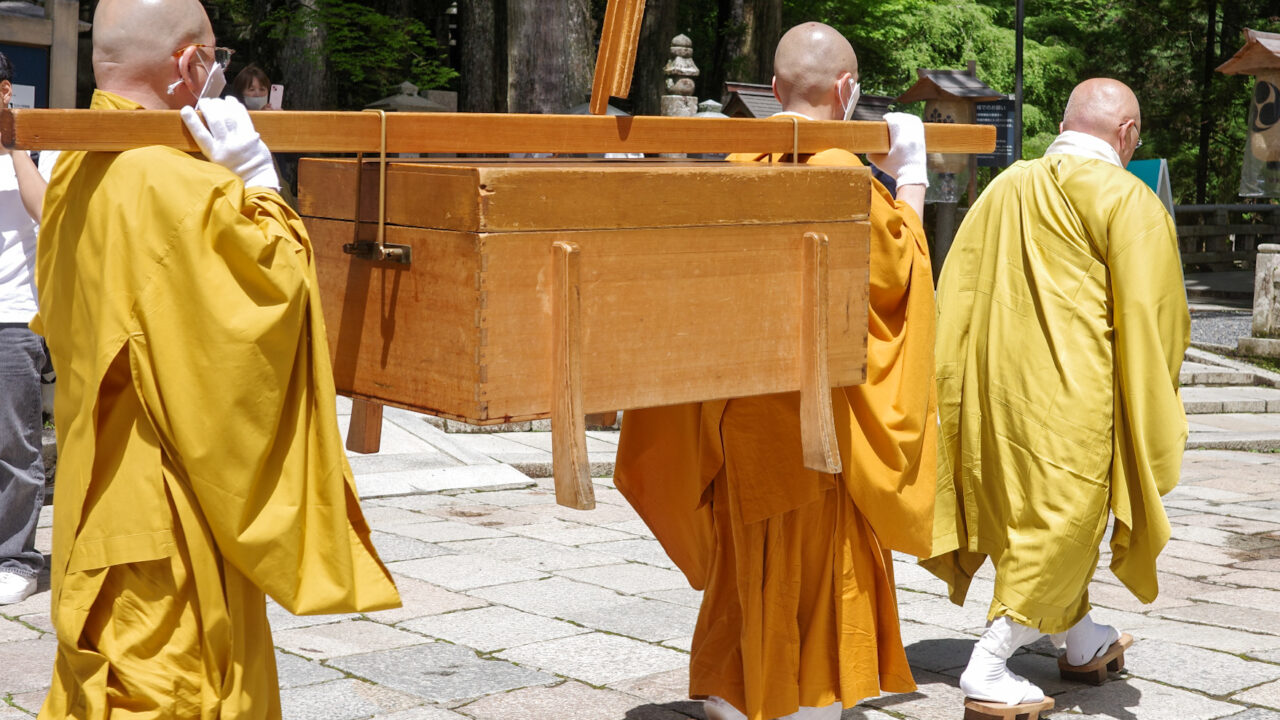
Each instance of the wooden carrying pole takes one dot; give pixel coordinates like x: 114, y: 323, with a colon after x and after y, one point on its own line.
x: 616, y: 62
x: 476, y: 133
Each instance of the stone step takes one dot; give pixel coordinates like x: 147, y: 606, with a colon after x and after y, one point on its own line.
x: 1194, y: 373
x: 1258, y: 432
x: 1211, y: 400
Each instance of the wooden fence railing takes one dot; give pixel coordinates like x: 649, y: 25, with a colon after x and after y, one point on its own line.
x: 1224, y: 237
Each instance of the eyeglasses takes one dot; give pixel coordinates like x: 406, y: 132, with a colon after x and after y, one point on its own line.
x: 221, y: 55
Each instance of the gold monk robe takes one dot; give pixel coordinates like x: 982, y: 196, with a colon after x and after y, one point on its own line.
x: 1062, y: 322
x: 200, y: 461
x: 799, y: 606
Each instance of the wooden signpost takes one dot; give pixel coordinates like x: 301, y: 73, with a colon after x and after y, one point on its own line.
x: 491, y: 291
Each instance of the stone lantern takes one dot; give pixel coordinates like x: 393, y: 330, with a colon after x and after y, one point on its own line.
x: 1260, y: 57
x: 949, y: 97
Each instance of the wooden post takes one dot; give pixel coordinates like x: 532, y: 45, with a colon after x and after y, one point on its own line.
x: 817, y: 424
x: 364, y: 433
x: 568, y: 424
x: 616, y: 62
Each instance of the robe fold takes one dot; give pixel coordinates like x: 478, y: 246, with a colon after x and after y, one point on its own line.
x: 799, y: 606
x: 1062, y: 323
x: 200, y: 460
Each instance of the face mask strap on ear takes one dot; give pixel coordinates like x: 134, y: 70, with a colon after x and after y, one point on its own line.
x: 854, y: 95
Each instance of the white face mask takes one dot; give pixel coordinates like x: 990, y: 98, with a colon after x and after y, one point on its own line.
x: 255, y: 103
x: 214, y: 82
x: 854, y: 94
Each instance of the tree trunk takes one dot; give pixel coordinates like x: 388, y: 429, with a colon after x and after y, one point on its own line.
x: 303, y: 70
x: 649, y: 83
x: 749, y: 33
x: 479, y: 40
x: 1206, y: 113
x: 550, y: 55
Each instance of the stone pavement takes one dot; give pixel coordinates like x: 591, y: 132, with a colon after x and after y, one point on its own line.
x: 518, y: 608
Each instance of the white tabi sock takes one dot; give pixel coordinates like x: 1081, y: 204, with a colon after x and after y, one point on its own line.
x: 987, y: 676
x: 1087, y: 640
x: 717, y: 708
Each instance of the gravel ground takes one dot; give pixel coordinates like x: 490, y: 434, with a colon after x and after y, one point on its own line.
x: 1220, y: 326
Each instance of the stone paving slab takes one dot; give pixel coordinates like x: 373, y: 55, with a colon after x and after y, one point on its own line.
x: 567, y: 701
x: 492, y: 628
x: 643, y: 619
x: 1136, y: 699
x: 553, y: 597
x: 1207, y: 671
x: 464, y: 572
x: 596, y: 658
x: 440, y: 672
x: 342, y: 700
x: 529, y: 553
x: 351, y: 637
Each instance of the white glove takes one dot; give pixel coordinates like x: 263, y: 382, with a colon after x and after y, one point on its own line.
x: 906, y: 158
x: 231, y: 141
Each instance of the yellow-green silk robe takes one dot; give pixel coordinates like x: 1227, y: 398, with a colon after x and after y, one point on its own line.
x: 1062, y: 323
x: 200, y: 460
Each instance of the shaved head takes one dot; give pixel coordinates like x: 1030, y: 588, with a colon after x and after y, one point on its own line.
x: 134, y: 42
x: 1106, y: 109
x: 810, y: 61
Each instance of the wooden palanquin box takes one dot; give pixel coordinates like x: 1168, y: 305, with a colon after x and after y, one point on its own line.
x: 690, y: 280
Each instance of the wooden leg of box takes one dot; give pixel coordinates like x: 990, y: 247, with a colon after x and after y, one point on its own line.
x: 568, y: 424
x: 364, y: 434
x: 817, y: 424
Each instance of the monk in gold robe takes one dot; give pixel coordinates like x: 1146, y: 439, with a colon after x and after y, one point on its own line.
x: 1062, y: 323
x: 200, y: 461
x: 799, y: 615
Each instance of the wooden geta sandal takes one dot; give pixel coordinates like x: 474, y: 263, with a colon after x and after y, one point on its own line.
x: 983, y: 710
x: 1095, y: 671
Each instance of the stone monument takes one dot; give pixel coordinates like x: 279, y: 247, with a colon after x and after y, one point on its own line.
x: 1266, y: 305
x: 679, y: 100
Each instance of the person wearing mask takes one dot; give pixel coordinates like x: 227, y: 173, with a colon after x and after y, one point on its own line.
x: 252, y: 88
x: 201, y: 466
x: 799, y: 617
x: 1062, y: 325
x: 22, y: 358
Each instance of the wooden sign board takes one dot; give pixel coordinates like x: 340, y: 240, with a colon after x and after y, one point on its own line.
x: 691, y: 283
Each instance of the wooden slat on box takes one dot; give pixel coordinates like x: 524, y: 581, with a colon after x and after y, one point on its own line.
x: 669, y: 315
x: 585, y: 196
x: 475, y: 133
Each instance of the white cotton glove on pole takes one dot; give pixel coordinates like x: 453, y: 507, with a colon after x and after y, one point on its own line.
x: 230, y: 140
x: 906, y: 158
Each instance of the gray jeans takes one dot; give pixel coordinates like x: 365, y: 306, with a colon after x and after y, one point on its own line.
x: 22, y: 358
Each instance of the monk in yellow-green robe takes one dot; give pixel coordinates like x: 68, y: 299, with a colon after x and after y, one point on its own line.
x: 1062, y: 323
x: 200, y: 465
x: 799, y: 615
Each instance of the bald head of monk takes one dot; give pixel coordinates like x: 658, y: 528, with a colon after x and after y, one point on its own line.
x: 1106, y: 109
x: 815, y: 71
x: 149, y: 50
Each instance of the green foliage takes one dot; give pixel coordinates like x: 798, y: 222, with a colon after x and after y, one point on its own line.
x: 1156, y: 46
x: 369, y: 53
x: 369, y: 49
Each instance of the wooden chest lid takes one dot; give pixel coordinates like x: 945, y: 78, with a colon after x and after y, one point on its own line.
x: 506, y: 196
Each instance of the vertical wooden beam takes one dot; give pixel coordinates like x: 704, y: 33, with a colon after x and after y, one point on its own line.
x: 364, y: 434
x: 63, y: 51
x: 616, y: 61
x: 817, y: 424
x: 568, y: 424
